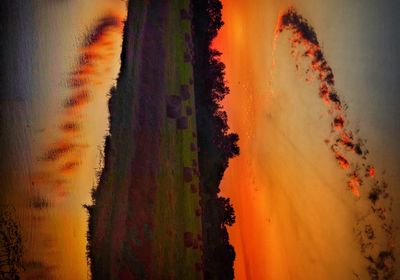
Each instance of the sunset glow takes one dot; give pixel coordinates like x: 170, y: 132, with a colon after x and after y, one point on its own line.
x: 261, y: 236
x: 199, y: 139
x: 66, y: 166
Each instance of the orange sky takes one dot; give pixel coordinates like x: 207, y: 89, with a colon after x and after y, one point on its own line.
x: 68, y: 131
x: 295, y: 216
x: 246, y: 79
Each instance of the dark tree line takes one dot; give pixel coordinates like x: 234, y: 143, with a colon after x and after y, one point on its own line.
x: 10, y: 246
x: 217, y: 145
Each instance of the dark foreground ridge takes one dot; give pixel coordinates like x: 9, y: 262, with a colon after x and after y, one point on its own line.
x: 123, y: 199
x: 156, y: 213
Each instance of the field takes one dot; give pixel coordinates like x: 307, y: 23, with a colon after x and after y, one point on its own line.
x: 145, y: 221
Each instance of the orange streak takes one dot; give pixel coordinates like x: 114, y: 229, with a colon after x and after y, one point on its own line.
x: 94, y: 58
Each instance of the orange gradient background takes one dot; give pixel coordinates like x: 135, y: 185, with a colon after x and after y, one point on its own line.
x: 294, y: 214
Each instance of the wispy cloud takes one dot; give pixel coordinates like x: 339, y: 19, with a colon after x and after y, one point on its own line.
x: 374, y: 229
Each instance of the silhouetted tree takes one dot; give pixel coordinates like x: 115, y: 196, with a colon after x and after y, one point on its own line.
x: 216, y: 144
x: 215, y: 14
x: 10, y: 246
x: 228, y: 213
